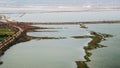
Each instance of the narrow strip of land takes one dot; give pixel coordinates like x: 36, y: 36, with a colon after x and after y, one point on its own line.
x: 8, y: 41
x: 21, y: 28
x: 89, y: 22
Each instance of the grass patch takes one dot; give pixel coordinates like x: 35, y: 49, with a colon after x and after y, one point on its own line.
x: 5, y: 31
x: 1, y: 39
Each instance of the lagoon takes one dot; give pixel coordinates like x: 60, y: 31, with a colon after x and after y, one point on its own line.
x: 63, y: 53
x: 57, y: 53
x: 78, y: 16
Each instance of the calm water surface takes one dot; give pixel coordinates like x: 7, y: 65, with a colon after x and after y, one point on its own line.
x: 107, y: 57
x: 65, y: 16
x: 62, y: 53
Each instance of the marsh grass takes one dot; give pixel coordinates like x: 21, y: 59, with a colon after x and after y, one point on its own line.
x: 5, y: 31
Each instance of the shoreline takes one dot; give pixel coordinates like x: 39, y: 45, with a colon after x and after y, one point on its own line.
x: 21, y: 29
x: 87, y: 22
x: 7, y: 42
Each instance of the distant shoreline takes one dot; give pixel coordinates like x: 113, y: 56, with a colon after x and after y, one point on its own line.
x: 21, y: 28
x: 87, y: 22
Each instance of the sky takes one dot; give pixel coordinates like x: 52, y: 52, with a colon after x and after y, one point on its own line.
x: 57, y: 5
x: 56, y: 2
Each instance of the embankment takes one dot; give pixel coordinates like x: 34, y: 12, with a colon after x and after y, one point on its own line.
x: 7, y: 42
x: 65, y: 23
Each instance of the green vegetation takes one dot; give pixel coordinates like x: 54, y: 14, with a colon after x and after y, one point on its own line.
x: 5, y: 31
x: 1, y: 39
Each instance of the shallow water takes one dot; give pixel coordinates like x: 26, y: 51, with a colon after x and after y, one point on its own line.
x: 62, y: 53
x: 38, y: 16
x: 49, y: 53
x: 107, y: 57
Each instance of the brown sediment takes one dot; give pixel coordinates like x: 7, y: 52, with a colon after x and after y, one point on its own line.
x: 43, y: 31
x: 20, y: 29
x: 56, y: 23
x: 36, y: 27
x: 20, y: 34
x: 78, y: 37
x: 9, y: 40
x: 81, y: 64
x: 32, y: 28
x: 88, y: 22
x: 93, y: 37
x: 39, y: 38
x: 93, y: 44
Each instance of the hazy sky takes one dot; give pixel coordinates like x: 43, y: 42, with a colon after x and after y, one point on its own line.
x: 54, y: 2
